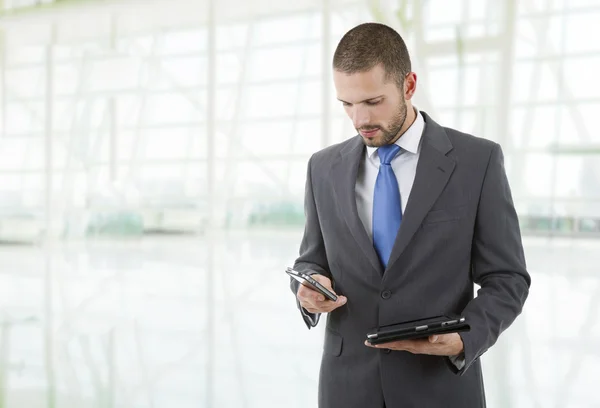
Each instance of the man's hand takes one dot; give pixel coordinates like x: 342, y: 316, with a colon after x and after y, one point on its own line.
x: 438, y: 345
x: 314, y: 302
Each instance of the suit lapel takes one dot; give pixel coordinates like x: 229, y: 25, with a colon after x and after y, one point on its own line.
x: 433, y: 172
x: 344, y: 174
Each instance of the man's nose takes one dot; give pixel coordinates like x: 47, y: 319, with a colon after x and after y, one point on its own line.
x: 360, y: 117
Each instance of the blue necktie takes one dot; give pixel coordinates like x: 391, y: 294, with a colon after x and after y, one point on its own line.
x: 387, y: 210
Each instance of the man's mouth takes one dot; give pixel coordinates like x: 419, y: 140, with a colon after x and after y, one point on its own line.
x: 369, y: 133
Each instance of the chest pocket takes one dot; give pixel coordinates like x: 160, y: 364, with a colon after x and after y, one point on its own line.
x: 445, y: 214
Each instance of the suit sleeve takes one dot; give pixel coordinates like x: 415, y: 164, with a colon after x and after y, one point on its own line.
x: 497, y: 264
x: 312, y: 257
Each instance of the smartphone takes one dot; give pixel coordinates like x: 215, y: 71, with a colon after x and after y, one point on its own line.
x: 308, y: 280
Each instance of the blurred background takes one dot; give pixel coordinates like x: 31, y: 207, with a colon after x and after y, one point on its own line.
x: 153, y: 157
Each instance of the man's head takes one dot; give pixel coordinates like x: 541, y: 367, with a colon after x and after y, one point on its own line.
x: 373, y: 79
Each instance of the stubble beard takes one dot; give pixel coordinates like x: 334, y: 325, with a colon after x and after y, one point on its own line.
x: 389, y: 134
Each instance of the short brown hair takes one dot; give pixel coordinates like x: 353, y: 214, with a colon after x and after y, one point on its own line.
x: 370, y: 44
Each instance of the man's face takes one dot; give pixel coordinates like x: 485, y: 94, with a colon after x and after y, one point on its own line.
x: 376, y: 107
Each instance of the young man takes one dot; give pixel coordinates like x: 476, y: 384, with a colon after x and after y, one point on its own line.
x: 401, y: 220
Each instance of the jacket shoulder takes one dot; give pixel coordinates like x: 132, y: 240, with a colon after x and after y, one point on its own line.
x: 462, y: 141
x: 326, y: 155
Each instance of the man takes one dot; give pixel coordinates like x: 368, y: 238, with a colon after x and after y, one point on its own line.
x: 401, y: 220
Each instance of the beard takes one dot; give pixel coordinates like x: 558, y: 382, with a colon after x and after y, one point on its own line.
x: 390, y: 133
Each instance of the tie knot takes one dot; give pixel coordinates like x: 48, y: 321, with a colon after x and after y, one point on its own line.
x: 387, y: 153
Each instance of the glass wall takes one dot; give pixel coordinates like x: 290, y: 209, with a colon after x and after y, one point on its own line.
x: 153, y: 155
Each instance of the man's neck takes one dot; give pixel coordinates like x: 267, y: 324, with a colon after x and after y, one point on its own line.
x: 411, y: 116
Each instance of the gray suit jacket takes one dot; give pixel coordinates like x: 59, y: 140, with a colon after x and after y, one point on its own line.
x: 459, y: 228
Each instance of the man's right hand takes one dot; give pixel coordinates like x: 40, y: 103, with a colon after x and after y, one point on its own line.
x: 315, y: 302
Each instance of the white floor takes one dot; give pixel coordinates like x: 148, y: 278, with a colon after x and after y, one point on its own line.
x: 139, y: 323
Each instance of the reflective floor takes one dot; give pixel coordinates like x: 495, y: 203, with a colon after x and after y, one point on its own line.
x: 140, y: 323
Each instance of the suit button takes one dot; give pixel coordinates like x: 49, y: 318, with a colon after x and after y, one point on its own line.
x: 386, y: 294
x: 387, y: 351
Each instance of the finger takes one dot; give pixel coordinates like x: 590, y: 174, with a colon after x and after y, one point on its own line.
x: 406, y: 345
x: 316, y: 299
x: 368, y: 344
x: 313, y: 295
x: 309, y: 295
x: 322, y: 306
x: 321, y: 301
x: 341, y: 300
x: 323, y: 280
x: 422, y: 346
x: 331, y: 306
x: 307, y: 304
x: 441, y: 338
x: 384, y: 346
x: 314, y: 305
x: 305, y: 291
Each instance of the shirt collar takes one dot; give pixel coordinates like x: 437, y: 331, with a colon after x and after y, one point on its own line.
x: 410, y: 139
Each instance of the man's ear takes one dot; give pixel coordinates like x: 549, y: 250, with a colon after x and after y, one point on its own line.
x: 410, y: 85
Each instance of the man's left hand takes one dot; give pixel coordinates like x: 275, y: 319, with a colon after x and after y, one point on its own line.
x: 437, y: 345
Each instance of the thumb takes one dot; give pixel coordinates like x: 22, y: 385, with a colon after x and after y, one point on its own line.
x: 342, y: 300
x: 433, y: 339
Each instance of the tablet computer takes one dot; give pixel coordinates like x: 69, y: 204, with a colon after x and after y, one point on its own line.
x: 415, y: 329
x: 307, y: 280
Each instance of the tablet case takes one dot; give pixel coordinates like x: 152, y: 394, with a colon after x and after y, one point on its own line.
x: 404, y: 334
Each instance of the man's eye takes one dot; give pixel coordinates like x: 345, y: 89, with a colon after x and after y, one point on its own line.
x: 346, y: 104
x: 371, y: 103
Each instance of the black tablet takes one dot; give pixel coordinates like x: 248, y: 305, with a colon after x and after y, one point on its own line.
x: 415, y: 329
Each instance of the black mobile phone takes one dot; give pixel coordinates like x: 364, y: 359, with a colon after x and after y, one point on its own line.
x: 309, y: 281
